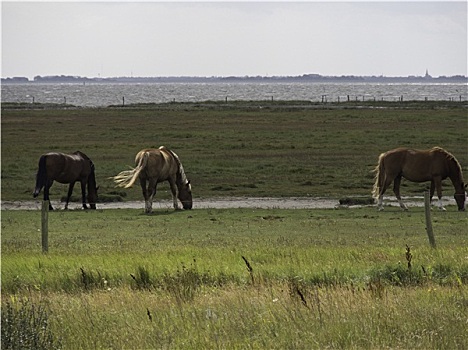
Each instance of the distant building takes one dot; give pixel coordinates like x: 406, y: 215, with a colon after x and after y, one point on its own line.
x: 427, y: 76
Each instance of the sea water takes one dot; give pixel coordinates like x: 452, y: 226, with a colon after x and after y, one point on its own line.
x: 91, y: 94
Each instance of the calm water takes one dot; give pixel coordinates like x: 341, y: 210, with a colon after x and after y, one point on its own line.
x: 95, y: 94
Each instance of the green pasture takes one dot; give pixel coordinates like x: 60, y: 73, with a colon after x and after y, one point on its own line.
x: 238, y: 278
x: 234, y: 278
x: 241, y: 149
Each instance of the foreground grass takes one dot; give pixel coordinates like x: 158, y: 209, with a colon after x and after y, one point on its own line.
x: 241, y: 278
x: 278, y: 243
x: 260, y: 317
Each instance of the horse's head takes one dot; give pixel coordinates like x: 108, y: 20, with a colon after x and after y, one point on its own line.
x: 185, y: 195
x: 460, y: 197
x: 92, y: 196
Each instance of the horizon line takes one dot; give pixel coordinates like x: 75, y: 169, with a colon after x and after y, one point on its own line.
x: 305, y: 75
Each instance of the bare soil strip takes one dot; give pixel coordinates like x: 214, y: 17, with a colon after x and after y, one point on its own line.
x: 223, y: 203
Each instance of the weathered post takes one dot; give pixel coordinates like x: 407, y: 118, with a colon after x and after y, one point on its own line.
x: 427, y: 207
x: 45, y: 226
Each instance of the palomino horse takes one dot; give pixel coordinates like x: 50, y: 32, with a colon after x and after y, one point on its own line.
x: 67, y: 169
x: 155, y: 166
x: 432, y: 165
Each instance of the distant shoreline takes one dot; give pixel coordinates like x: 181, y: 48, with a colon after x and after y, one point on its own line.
x: 306, y: 78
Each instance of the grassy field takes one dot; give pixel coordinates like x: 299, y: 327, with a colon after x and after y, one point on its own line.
x: 234, y: 278
x: 244, y: 149
x: 310, y: 279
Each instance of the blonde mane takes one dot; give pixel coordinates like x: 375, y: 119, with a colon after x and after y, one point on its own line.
x: 180, y: 172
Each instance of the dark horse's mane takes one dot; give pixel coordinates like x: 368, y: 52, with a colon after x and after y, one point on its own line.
x: 92, y: 175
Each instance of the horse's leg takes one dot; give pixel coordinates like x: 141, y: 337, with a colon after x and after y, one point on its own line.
x: 380, y: 202
x: 174, y: 193
x: 152, y: 184
x: 432, y: 190
x: 438, y: 185
x: 70, y: 191
x: 385, y: 182
x: 431, y: 193
x: 145, y: 194
x: 46, y: 193
x: 83, y: 194
x: 396, y: 190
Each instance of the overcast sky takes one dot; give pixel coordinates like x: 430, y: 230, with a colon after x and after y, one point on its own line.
x: 110, y: 39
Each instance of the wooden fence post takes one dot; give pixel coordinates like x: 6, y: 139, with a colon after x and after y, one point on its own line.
x: 45, y: 226
x: 427, y: 207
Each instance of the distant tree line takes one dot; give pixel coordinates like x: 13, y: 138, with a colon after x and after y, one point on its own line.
x: 188, y: 79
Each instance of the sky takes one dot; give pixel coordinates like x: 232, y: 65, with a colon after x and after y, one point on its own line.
x: 147, y: 39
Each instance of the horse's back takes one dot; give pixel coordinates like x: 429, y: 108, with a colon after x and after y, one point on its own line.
x: 55, y: 164
x: 160, y: 163
x: 416, y: 165
x: 392, y: 161
x: 66, y: 168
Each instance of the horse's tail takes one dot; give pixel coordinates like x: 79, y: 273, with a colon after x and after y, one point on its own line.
x: 41, y: 177
x: 379, y: 172
x: 127, y: 178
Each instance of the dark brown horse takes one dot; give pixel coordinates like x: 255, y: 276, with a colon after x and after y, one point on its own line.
x: 155, y: 166
x: 432, y: 165
x: 67, y: 169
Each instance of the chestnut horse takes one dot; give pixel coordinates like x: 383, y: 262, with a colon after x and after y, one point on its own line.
x: 155, y: 166
x: 432, y: 165
x: 67, y: 169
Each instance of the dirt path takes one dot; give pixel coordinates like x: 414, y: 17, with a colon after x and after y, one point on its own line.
x: 220, y: 203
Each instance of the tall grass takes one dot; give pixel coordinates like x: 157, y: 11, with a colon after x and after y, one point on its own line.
x: 267, y: 316
x: 242, y: 278
x: 27, y: 325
